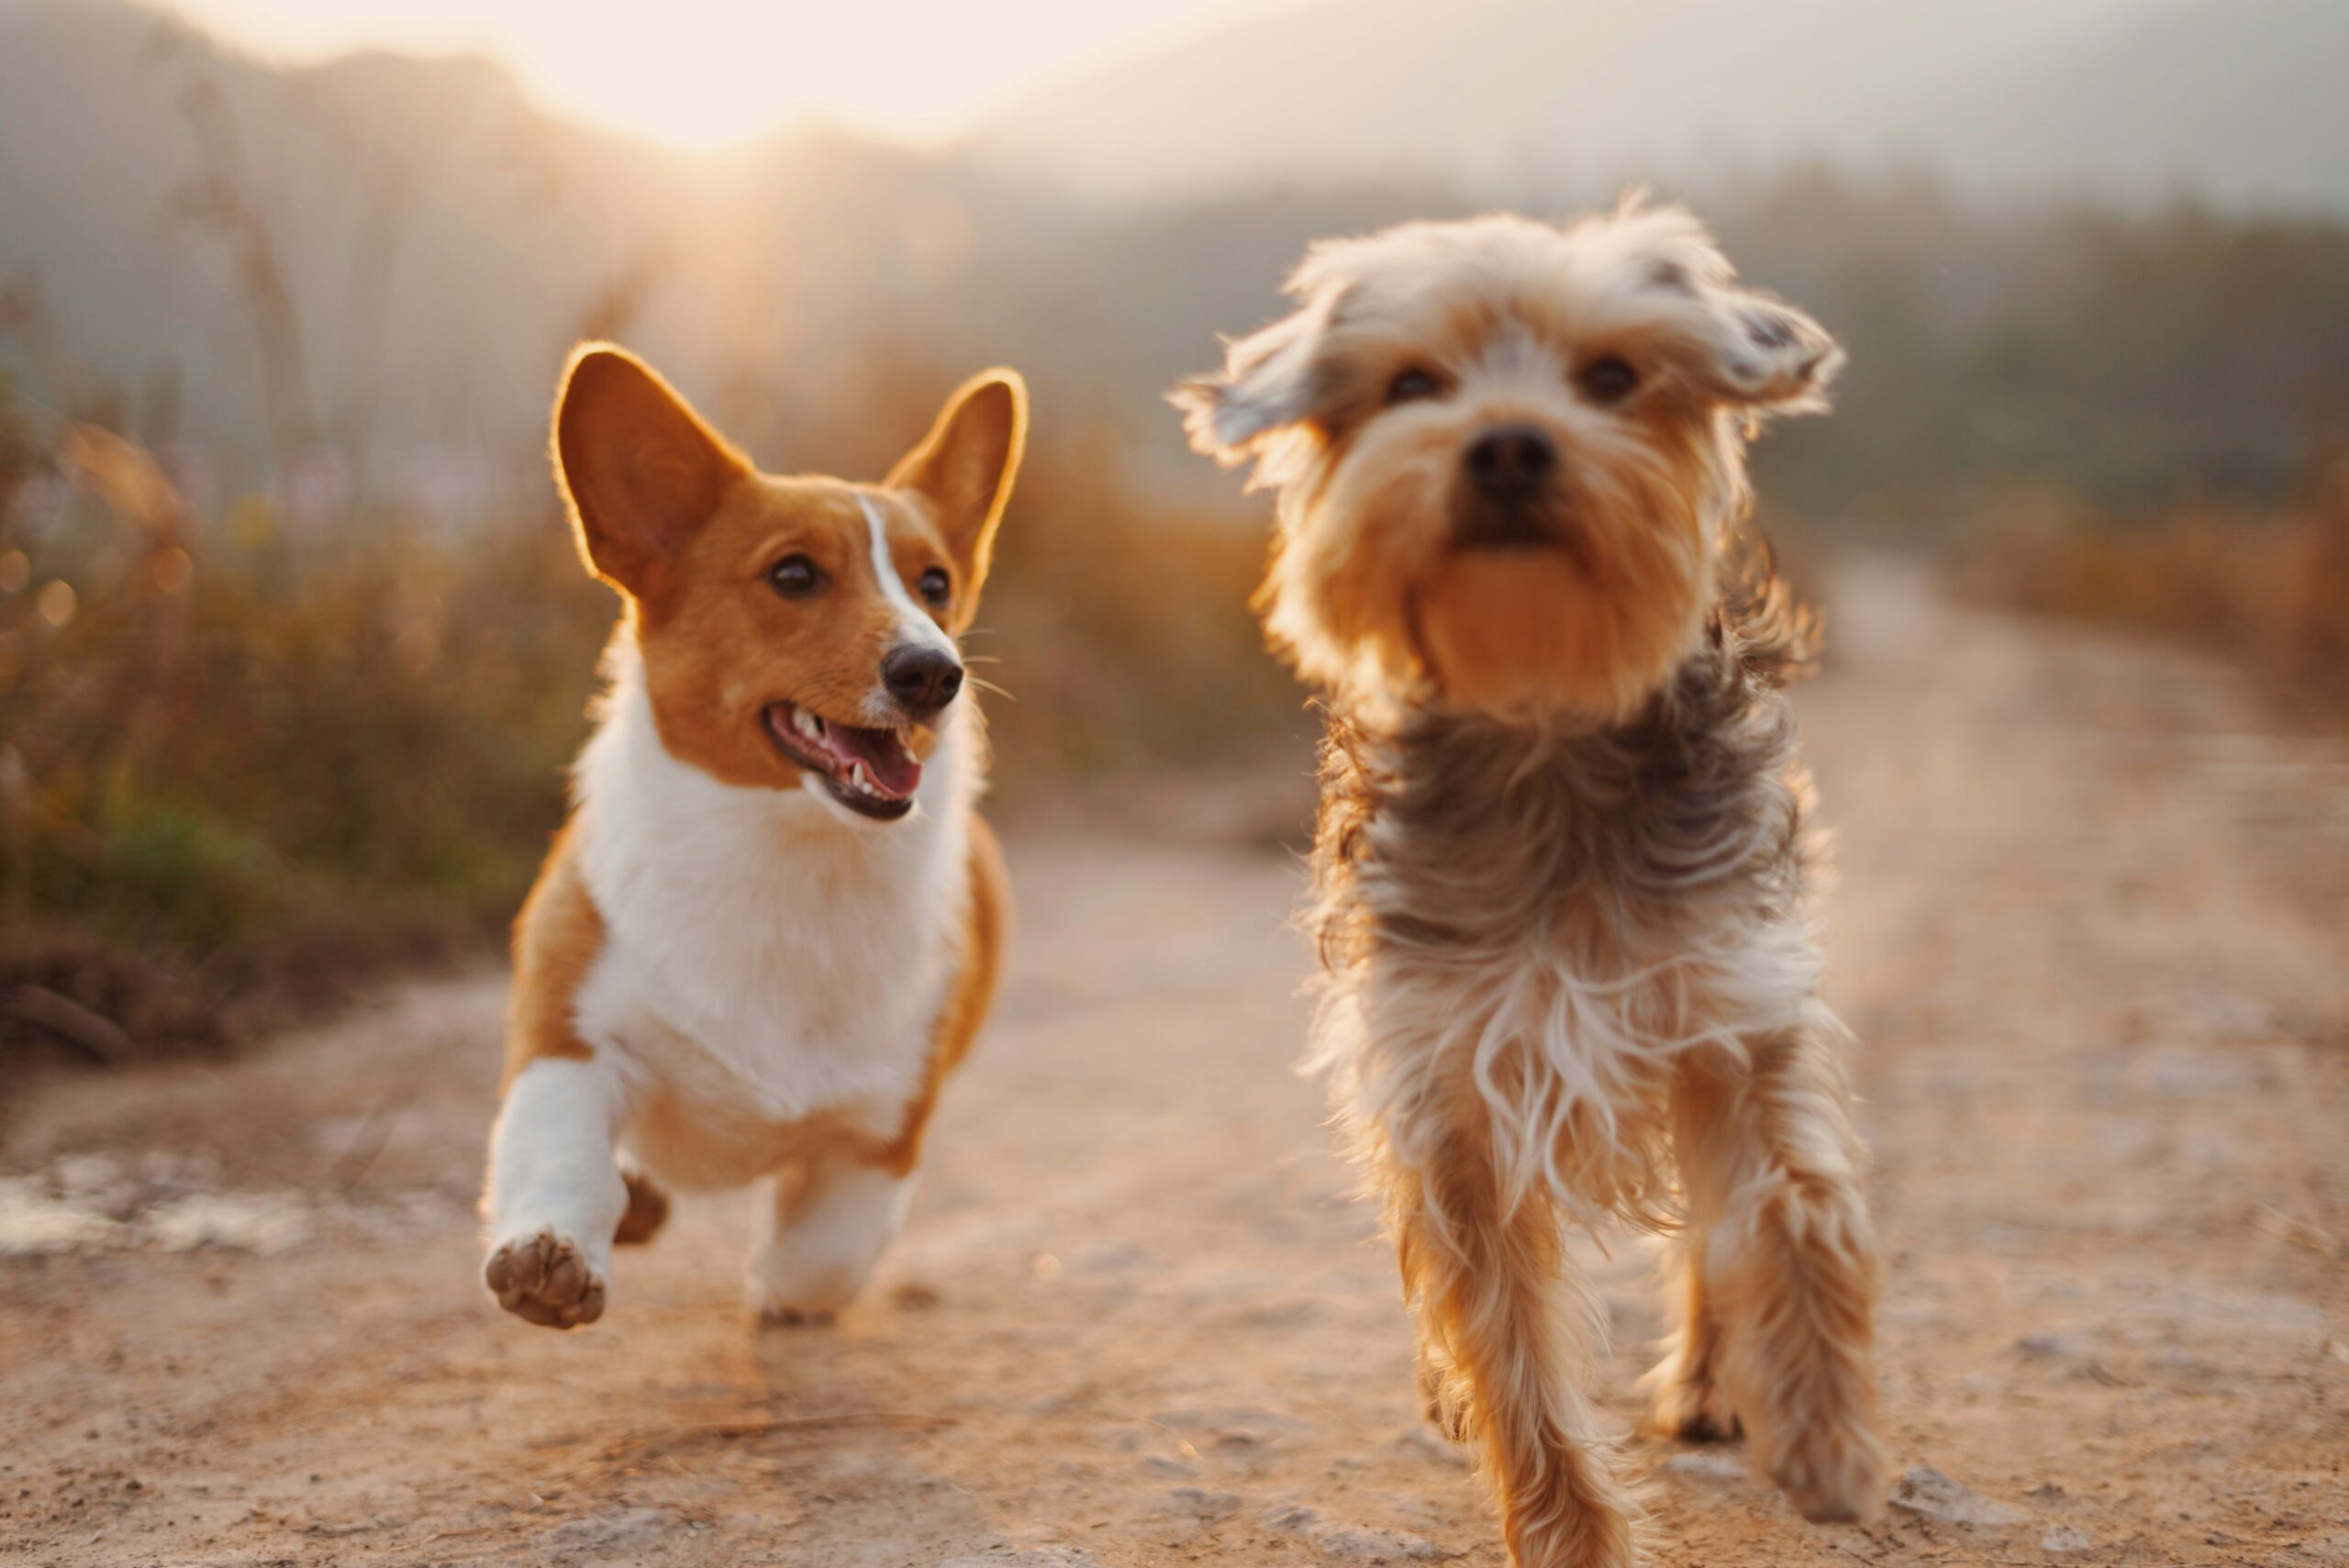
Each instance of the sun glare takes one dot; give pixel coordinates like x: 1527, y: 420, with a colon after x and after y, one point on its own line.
x: 706, y: 74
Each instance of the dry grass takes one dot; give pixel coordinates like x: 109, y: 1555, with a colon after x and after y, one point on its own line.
x: 2270, y: 589
x: 241, y: 760
x: 235, y: 762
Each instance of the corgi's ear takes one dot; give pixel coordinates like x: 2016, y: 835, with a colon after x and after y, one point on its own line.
x: 640, y: 469
x: 964, y: 467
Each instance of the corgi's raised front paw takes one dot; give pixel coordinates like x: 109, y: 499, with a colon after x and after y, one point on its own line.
x: 546, y: 1279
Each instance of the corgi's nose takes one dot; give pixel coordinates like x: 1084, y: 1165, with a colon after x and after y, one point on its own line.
x: 923, y: 680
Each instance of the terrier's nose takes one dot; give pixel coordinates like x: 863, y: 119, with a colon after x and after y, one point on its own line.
x: 1510, y: 462
x: 922, y: 679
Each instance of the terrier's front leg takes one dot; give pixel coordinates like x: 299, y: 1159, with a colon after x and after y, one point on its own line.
x: 1687, y: 1400
x: 1686, y: 1403
x: 1507, y: 1332
x: 555, y: 1192
x: 1791, y: 1268
x: 828, y: 1229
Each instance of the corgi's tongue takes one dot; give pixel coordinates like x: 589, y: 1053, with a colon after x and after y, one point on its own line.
x: 890, y: 769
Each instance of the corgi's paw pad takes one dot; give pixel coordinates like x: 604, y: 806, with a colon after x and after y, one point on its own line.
x: 545, y: 1279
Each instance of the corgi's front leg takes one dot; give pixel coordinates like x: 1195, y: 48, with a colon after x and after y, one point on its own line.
x: 555, y: 1191
x: 831, y: 1223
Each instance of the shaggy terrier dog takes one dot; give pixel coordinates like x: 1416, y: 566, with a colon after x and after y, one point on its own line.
x: 1559, y: 875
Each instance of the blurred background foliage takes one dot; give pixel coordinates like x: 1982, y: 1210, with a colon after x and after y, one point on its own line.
x: 2268, y: 586
x: 294, y: 650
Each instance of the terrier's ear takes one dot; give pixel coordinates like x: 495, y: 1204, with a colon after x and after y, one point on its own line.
x: 1728, y: 343
x: 640, y: 471
x: 1761, y: 353
x: 966, y: 466
x: 1271, y: 380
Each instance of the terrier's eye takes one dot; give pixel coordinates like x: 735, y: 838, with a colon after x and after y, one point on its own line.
x: 936, y: 587
x: 795, y: 577
x: 1609, y: 379
x: 1411, y: 386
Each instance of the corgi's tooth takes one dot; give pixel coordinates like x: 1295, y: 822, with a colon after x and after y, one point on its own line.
x: 861, y: 778
x: 808, y: 724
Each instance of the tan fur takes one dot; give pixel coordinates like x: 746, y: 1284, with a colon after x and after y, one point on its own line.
x: 1776, y: 1322
x: 556, y: 940
x: 962, y: 499
x: 717, y: 643
x: 1365, y: 590
x: 1559, y: 871
x: 1507, y: 1335
x: 672, y: 516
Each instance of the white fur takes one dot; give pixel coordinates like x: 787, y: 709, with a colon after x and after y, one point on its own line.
x: 914, y: 625
x: 550, y: 1165
x: 767, y: 953
x: 827, y: 1234
x: 1524, y: 1022
x: 1559, y: 1037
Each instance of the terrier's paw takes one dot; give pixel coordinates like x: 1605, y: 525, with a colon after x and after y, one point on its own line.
x: 1833, y: 1474
x: 545, y: 1279
x: 1696, y: 1423
x: 1445, y: 1401
x: 1688, y: 1410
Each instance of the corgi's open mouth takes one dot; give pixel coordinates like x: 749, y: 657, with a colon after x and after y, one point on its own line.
x: 872, y: 772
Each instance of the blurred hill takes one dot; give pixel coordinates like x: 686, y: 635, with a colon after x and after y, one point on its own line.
x: 2237, y: 102
x: 368, y: 271
x: 438, y: 240
x: 2119, y: 100
x: 415, y: 209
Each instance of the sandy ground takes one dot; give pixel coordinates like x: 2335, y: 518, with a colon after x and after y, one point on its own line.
x: 2090, y: 929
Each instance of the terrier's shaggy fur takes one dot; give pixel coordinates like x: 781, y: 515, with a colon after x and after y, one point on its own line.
x: 1560, y: 874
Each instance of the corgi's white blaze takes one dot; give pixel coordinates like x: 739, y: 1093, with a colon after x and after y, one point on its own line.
x: 550, y: 1165
x: 768, y: 954
x: 914, y: 625
x: 826, y: 1237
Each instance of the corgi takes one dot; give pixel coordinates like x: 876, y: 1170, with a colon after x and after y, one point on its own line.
x: 774, y: 920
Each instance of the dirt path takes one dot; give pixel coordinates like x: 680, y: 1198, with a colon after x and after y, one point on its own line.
x: 2091, y: 930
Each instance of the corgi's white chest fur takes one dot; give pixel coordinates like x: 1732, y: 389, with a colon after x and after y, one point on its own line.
x: 765, y: 951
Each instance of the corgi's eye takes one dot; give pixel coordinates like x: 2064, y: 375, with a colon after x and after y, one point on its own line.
x: 1609, y: 380
x: 795, y: 577
x: 936, y: 587
x: 1411, y: 386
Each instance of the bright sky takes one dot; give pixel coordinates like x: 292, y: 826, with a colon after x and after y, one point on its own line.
x: 708, y: 73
